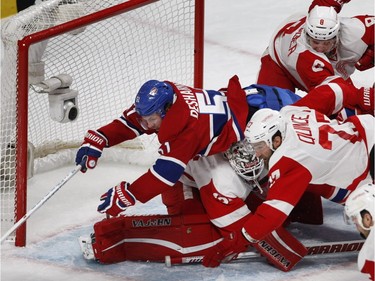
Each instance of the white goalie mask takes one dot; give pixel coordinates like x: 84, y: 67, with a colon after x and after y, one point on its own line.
x: 322, y: 23
x: 244, y: 162
x: 363, y: 198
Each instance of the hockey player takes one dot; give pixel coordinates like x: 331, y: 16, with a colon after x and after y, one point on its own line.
x: 208, y: 123
x: 184, y: 236
x: 300, y: 146
x: 360, y: 209
x: 189, y: 123
x: 220, y: 190
x: 307, y: 52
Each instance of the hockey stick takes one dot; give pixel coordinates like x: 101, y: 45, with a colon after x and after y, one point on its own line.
x: 41, y: 202
x: 317, y: 249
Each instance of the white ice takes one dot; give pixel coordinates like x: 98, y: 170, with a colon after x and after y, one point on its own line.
x: 237, y: 33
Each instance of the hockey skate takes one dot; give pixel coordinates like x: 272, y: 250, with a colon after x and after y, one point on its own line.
x: 85, y: 243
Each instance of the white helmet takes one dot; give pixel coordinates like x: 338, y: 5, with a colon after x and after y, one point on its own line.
x: 263, y: 126
x: 322, y: 23
x: 244, y: 162
x: 362, y: 198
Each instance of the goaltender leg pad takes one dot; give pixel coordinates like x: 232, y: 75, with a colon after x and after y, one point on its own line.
x: 153, y: 237
x: 281, y: 249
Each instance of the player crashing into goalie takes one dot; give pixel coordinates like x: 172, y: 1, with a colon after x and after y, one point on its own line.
x: 226, y: 205
x: 301, y: 146
x: 257, y: 97
x: 168, y: 103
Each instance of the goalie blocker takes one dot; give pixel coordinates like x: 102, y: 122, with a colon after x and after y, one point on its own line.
x: 155, y: 237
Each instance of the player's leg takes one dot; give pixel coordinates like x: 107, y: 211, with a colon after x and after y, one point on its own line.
x: 271, y: 74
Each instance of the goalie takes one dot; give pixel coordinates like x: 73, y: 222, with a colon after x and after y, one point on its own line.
x: 218, y: 211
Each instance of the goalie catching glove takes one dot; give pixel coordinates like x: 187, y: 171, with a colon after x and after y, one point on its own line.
x: 92, y: 147
x: 116, y: 200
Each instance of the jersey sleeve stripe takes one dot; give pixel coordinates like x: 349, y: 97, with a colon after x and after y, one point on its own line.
x: 159, y: 177
x: 280, y: 205
x: 232, y: 217
x: 339, y: 96
x: 129, y: 126
x: 168, y: 169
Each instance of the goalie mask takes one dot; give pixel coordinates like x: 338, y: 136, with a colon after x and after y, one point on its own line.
x: 244, y: 162
x: 154, y: 97
x: 361, y: 199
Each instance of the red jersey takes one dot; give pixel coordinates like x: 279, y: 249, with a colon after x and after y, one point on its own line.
x: 199, y: 123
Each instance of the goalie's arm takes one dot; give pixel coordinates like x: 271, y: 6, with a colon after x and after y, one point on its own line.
x: 290, y: 181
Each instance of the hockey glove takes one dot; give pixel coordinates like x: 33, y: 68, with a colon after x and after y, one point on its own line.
x: 116, y: 200
x: 366, y: 61
x: 226, y: 250
x: 92, y: 147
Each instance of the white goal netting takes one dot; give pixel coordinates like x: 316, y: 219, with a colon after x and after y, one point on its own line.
x: 108, y: 60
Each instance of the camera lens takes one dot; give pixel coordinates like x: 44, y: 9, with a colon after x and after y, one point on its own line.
x: 71, y: 110
x: 73, y: 113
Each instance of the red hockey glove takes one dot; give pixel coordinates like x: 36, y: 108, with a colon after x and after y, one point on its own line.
x: 366, y: 100
x: 116, y: 200
x: 337, y: 4
x: 367, y: 60
x: 226, y: 250
x: 92, y: 147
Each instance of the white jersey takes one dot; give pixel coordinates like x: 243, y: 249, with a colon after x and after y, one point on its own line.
x: 366, y: 258
x: 308, y: 68
x: 334, y: 153
x: 217, y: 169
x: 222, y: 191
x: 314, y: 150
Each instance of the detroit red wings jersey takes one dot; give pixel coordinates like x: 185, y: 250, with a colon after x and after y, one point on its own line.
x: 222, y: 191
x: 315, y: 150
x: 308, y: 68
x: 366, y: 259
x: 319, y: 142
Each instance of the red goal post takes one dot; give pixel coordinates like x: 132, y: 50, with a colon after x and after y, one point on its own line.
x: 108, y: 49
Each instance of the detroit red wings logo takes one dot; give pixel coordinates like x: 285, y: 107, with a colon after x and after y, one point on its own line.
x: 273, y: 177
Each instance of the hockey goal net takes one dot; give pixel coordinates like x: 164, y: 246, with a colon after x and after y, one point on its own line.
x: 107, y: 49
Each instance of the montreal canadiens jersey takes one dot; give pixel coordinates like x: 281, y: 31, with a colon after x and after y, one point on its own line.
x: 198, y: 124
x: 308, y: 68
